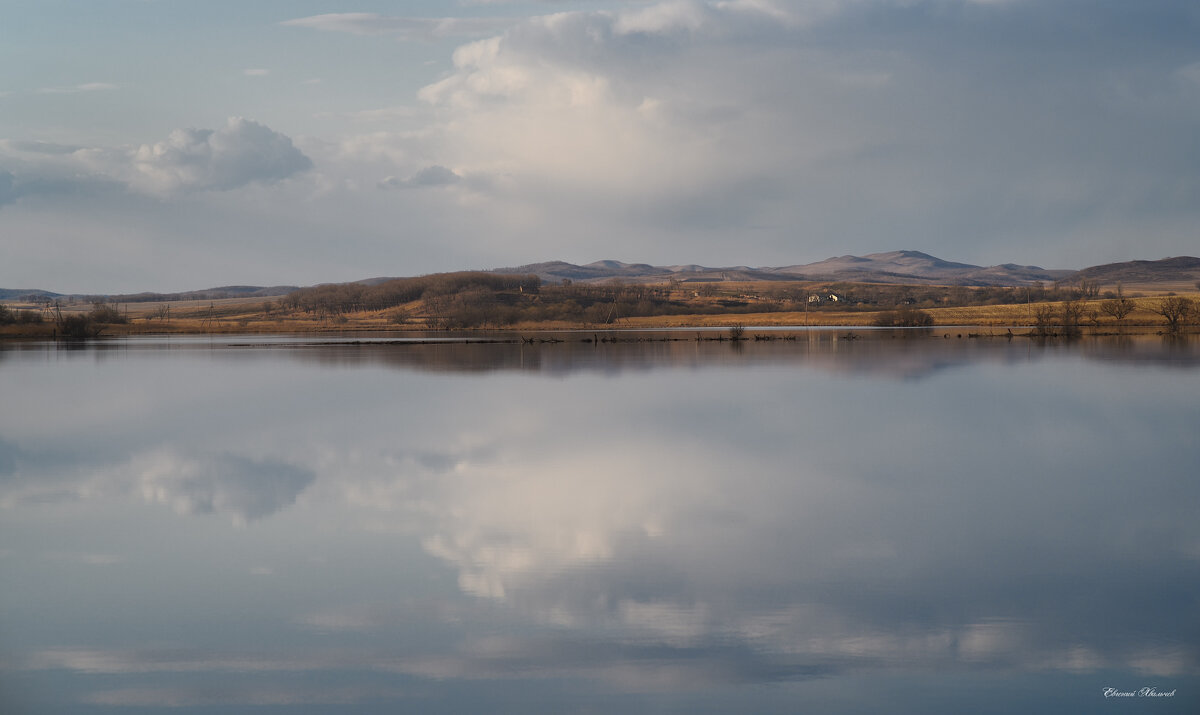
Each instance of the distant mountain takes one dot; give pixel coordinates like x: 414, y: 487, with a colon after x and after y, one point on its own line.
x: 917, y: 267
x: 209, y: 294
x: 912, y: 263
x: 1181, y: 268
x: 892, y: 267
x: 26, y: 293
x: 205, y: 294
x: 909, y: 267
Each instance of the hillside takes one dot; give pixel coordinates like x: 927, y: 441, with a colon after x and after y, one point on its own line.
x: 894, y: 267
x: 909, y: 267
x: 1184, y: 269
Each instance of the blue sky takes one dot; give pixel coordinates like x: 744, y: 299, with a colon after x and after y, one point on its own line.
x: 179, y: 144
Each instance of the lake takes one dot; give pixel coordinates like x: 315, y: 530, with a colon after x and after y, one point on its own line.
x: 910, y: 521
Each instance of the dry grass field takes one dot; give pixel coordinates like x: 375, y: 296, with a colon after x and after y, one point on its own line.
x: 256, y: 315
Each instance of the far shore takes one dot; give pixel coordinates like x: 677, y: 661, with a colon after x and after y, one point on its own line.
x: 962, y: 319
x: 257, y: 316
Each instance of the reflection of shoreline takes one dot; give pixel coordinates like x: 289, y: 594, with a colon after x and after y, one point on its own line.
x: 882, y: 353
x: 896, y: 353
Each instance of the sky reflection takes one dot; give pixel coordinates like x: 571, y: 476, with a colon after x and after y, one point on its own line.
x: 283, y: 527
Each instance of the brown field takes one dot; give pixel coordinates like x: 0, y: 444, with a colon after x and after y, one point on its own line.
x: 256, y: 315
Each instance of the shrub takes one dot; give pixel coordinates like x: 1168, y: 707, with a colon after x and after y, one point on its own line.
x: 905, y: 317
x: 78, y: 326
x: 8, y: 317
x: 105, y: 313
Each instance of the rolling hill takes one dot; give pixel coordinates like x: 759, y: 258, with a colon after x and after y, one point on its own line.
x: 894, y: 267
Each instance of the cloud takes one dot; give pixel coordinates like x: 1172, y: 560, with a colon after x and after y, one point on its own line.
x: 644, y: 117
x: 429, y: 176
x: 39, y: 147
x: 86, y: 87
x: 240, y: 153
x: 8, y: 193
x: 364, y: 23
x: 799, y: 126
x: 256, y: 72
x: 1190, y: 73
x: 719, y: 132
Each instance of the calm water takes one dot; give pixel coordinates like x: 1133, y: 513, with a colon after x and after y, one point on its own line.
x: 919, y: 524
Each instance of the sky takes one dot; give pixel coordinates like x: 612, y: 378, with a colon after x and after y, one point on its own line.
x: 165, y: 145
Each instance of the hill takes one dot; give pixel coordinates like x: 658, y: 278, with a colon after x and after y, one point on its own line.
x: 218, y: 293
x: 1181, y: 269
x: 26, y: 294
x: 894, y: 267
x: 910, y: 267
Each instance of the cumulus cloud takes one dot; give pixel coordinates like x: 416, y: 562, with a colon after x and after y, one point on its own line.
x: 807, y: 123
x: 731, y: 131
x: 648, y: 118
x: 240, y: 153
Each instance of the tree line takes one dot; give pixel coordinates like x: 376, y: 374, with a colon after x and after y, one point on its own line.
x: 335, y: 299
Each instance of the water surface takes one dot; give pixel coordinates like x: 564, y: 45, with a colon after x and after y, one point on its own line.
x: 905, y: 522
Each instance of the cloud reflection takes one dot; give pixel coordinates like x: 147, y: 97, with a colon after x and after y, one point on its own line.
x: 226, y: 484
x: 240, y: 487
x: 664, y: 532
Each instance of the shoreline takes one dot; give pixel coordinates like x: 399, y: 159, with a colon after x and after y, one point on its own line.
x: 249, y: 318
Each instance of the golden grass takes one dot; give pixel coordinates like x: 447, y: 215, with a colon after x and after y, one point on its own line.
x: 244, y: 315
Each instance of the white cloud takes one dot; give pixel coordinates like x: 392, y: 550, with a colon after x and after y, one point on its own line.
x: 256, y: 72
x: 654, y: 116
x: 720, y: 131
x: 240, y: 153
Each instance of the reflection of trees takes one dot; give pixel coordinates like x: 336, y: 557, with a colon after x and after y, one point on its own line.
x: 899, y: 354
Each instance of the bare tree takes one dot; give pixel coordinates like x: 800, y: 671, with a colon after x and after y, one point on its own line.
x: 1119, y: 308
x: 1175, y: 309
x: 1042, y: 317
x: 1071, y: 311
